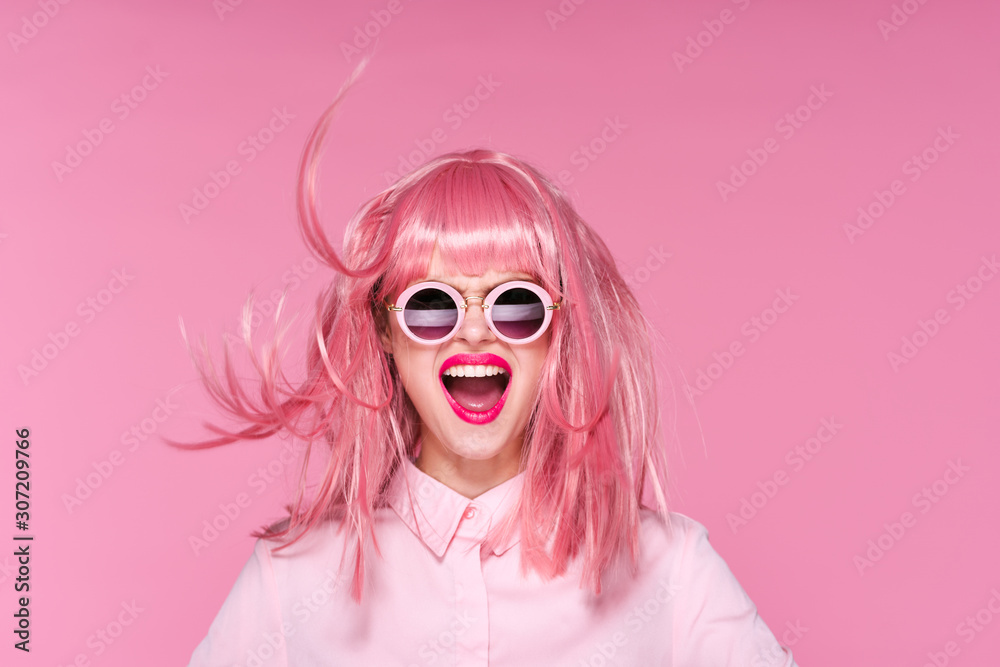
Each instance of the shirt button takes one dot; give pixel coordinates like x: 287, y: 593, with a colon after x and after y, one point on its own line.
x: 470, y: 513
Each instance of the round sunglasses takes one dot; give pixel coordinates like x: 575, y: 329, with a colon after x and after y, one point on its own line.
x: 516, y: 311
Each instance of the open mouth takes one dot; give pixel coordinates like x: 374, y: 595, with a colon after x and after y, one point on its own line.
x: 476, y: 392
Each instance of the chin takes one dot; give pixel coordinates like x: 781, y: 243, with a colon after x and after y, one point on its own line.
x: 476, y: 444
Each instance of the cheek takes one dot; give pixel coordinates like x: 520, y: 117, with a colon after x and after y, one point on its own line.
x: 414, y: 363
x: 532, y: 363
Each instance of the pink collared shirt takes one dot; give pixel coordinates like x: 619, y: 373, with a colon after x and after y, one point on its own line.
x: 437, y: 599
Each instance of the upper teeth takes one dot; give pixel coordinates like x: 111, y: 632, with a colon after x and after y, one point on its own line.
x: 474, y: 371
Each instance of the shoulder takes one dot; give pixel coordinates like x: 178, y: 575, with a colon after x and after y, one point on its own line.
x: 310, y: 556
x: 715, y: 621
x: 681, y: 545
x: 678, y: 532
x: 300, y: 546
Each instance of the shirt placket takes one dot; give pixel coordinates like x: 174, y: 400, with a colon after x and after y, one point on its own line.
x: 471, y: 625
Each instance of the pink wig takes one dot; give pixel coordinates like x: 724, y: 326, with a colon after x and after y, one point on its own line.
x: 593, y: 444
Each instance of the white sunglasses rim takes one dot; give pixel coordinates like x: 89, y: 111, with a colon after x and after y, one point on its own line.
x: 486, y: 302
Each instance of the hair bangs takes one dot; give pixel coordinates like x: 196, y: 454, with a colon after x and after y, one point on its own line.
x: 480, y: 215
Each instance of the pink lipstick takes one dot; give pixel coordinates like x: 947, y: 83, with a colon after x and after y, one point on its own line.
x: 485, y: 359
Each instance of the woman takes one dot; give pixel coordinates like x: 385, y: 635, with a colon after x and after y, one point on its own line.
x: 482, y: 397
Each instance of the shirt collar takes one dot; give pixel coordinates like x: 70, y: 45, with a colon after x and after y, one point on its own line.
x: 434, y: 511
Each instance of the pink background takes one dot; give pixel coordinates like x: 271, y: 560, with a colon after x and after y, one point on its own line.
x: 672, y: 130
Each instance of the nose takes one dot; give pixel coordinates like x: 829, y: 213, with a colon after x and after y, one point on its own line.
x: 475, y: 328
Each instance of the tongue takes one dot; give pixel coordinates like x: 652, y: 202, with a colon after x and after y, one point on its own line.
x: 476, y: 394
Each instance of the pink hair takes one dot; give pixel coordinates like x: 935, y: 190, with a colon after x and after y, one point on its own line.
x: 593, y: 444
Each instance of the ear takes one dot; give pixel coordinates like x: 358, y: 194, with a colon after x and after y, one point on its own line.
x: 385, y: 336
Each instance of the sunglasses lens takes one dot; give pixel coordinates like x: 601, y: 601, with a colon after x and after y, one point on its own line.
x: 430, y: 314
x: 518, y: 313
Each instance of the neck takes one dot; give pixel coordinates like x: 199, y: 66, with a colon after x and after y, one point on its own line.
x: 469, y: 477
